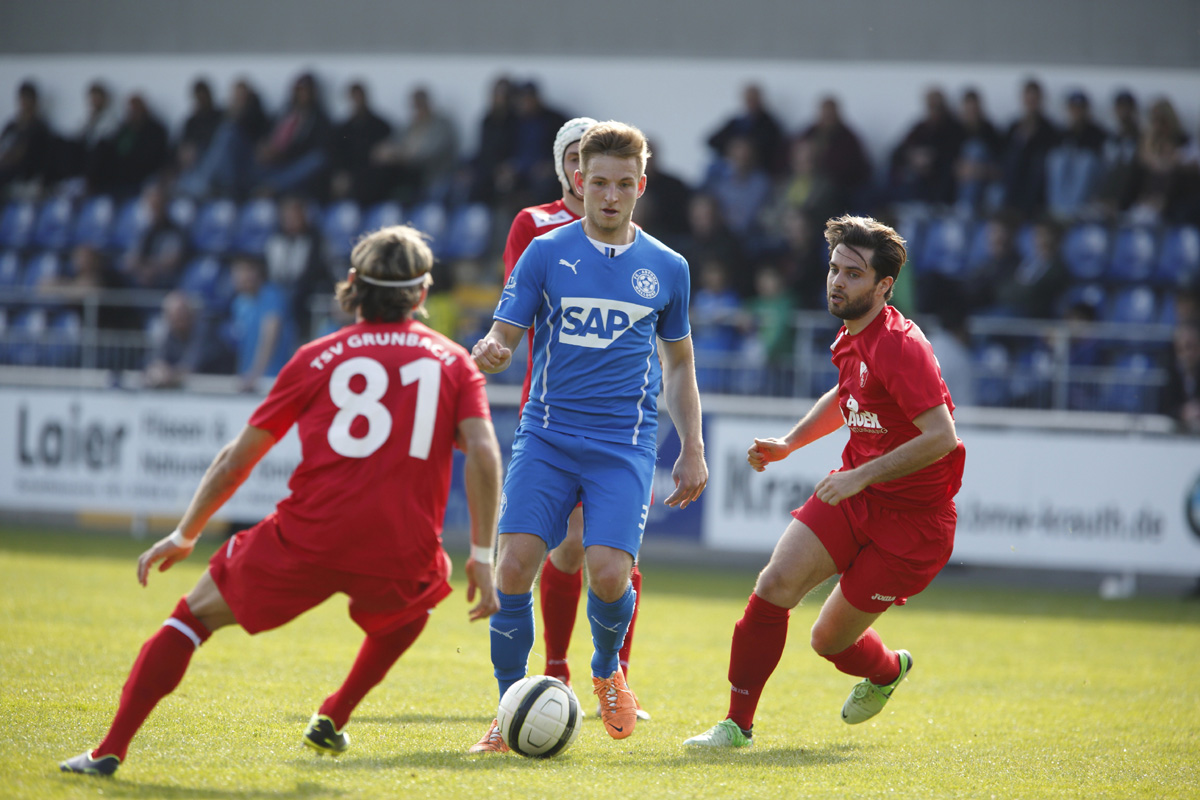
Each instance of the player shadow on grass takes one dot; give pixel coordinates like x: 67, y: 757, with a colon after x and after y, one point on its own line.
x: 133, y: 789
x: 773, y: 755
x: 402, y: 719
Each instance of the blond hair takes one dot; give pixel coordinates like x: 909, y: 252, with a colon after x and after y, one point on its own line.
x: 614, y: 139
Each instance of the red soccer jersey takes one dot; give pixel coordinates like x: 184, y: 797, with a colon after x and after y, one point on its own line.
x: 530, y: 223
x: 887, y: 377
x: 378, y: 406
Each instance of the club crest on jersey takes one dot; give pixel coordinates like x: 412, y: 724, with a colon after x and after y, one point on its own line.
x: 862, y: 374
x: 645, y: 283
x: 861, y: 421
x: 597, y: 322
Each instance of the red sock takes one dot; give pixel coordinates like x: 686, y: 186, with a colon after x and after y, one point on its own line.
x: 635, y: 578
x: 375, y: 658
x: 157, y: 671
x: 559, y: 595
x: 758, y: 640
x: 868, y: 658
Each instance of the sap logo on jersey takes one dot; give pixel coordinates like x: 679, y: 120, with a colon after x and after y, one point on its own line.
x: 597, y: 322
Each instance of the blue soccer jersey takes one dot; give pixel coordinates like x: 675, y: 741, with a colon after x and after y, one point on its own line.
x: 595, y: 321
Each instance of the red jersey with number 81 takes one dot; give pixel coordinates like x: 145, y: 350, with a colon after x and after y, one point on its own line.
x: 377, y: 406
x: 887, y: 377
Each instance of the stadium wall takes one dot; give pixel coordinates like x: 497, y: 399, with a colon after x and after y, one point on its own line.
x: 1119, y: 502
x: 679, y: 102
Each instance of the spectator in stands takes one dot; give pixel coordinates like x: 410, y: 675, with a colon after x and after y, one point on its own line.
x: 976, y: 290
x: 663, y: 207
x: 296, y: 262
x: 978, y: 167
x: 420, y: 162
x: 770, y: 312
x: 26, y: 143
x: 294, y: 157
x: 808, y: 189
x: 529, y: 172
x: 92, y: 274
x: 227, y: 164
x: 157, y: 257
x: 179, y: 344
x: 838, y: 156
x: 139, y: 150
x: 90, y: 152
x: 717, y: 323
x: 1182, y: 396
x: 1118, y: 188
x: 199, y: 127
x: 497, y: 142
x: 758, y: 125
x: 1163, y: 185
x: 1034, y: 289
x: 261, y: 331
x: 708, y: 237
x: 741, y: 187
x: 922, y: 166
x: 353, y: 141
x: 800, y: 259
x: 1075, y: 165
x: 1030, y: 137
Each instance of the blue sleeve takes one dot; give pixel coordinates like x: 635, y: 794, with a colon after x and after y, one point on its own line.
x: 522, y: 295
x: 673, y: 324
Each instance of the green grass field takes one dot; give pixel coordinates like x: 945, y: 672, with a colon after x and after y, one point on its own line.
x: 1016, y: 694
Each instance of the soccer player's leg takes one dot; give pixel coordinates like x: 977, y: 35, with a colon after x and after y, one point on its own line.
x: 558, y: 593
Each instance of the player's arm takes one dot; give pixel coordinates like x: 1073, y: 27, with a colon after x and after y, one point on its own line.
x: 493, y: 352
x: 683, y: 402
x: 227, y: 472
x: 821, y: 420
x: 481, y: 473
x: 937, y: 438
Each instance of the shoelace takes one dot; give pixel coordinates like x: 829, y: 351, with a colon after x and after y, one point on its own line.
x: 608, y: 692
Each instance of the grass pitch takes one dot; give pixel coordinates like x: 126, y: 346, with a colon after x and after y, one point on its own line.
x: 1015, y: 694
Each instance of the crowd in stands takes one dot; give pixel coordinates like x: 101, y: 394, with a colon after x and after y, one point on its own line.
x: 240, y: 218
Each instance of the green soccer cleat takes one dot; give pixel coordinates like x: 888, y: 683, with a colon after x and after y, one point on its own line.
x: 84, y: 764
x: 725, y: 733
x: 321, y: 736
x: 866, y: 699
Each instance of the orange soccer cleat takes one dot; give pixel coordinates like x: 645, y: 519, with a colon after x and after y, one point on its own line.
x: 618, y: 706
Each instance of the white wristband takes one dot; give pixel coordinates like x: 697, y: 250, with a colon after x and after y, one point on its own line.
x: 481, y: 554
x: 179, y: 540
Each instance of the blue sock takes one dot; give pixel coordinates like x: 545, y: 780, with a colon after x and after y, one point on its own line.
x: 609, y: 622
x: 512, y: 638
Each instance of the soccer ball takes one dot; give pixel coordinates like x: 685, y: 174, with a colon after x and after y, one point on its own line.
x: 539, y: 716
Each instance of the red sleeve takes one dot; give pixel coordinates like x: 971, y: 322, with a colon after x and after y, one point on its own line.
x: 912, y: 376
x: 519, y: 237
x: 289, y: 396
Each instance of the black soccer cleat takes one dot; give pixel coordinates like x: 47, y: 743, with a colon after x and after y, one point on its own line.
x: 84, y: 764
x: 321, y: 736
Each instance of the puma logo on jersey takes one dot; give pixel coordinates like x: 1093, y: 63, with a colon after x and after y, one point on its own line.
x: 566, y: 263
x: 597, y: 322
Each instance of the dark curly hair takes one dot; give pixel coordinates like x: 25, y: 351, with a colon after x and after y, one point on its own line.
x: 888, y: 247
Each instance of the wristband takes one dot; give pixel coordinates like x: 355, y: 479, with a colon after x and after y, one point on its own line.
x: 481, y: 554
x: 179, y: 540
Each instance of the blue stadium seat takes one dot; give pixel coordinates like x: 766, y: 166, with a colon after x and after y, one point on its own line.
x: 341, y: 224
x: 182, y: 211
x: 212, y: 232
x: 1132, y: 255
x: 16, y: 225
x: 208, y: 279
x: 60, y: 347
x: 256, y: 222
x: 52, y: 231
x: 1032, y: 381
x: 1133, y: 305
x: 1085, y: 249
x: 94, y: 222
x: 1092, y: 294
x: 42, y: 267
x: 468, y: 232
x: 1132, y: 390
x: 25, y: 330
x: 430, y: 219
x: 1179, y: 256
x: 12, y: 271
x: 991, y: 374
x: 130, y: 223
x: 946, y: 245
x: 381, y: 215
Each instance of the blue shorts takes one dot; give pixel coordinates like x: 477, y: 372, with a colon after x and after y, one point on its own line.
x: 551, y: 472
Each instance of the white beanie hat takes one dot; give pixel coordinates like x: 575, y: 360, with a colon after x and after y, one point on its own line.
x: 571, y: 131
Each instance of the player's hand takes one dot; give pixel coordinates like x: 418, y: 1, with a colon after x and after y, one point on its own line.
x: 764, y: 451
x: 491, y: 356
x: 691, y: 476
x: 479, y: 579
x: 164, y: 550
x: 837, y: 486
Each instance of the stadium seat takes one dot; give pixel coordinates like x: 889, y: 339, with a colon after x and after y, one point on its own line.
x: 945, y: 248
x: 341, y: 224
x: 42, y: 267
x: 1091, y: 294
x: 1025, y: 241
x: 382, y: 215
x: 208, y: 279
x: 1179, y: 256
x: 16, y: 225
x: 25, y: 330
x: 1133, y: 305
x: 182, y: 212
x: 430, y: 219
x: 63, y: 335
x: 1132, y: 256
x: 1085, y: 249
x: 52, y: 231
x: 94, y: 222
x: 256, y: 222
x: 214, y: 227
x: 130, y: 223
x: 1134, y: 386
x: 468, y: 232
x: 11, y: 271
x: 991, y: 374
x: 1032, y: 381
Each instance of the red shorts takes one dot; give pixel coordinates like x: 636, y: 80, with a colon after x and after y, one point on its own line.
x: 266, y: 585
x: 884, y: 555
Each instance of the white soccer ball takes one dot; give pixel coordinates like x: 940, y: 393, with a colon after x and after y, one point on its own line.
x: 539, y: 716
